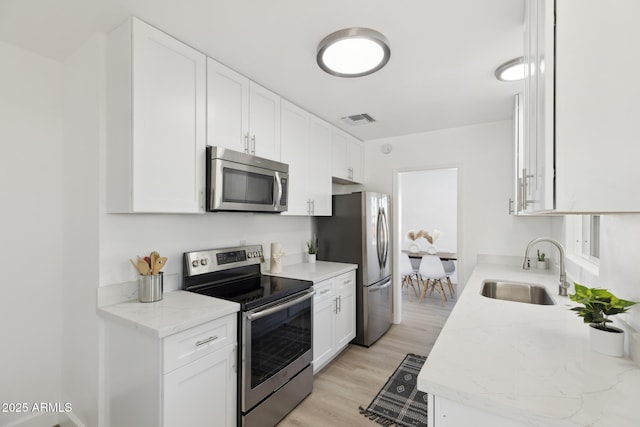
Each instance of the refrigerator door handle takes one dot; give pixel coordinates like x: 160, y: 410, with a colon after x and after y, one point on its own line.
x: 379, y: 233
x: 385, y: 227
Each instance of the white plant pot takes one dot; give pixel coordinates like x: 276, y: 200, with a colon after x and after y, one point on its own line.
x: 311, y: 258
x: 610, y: 343
x: 542, y: 265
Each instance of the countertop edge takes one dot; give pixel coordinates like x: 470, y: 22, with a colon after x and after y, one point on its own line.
x: 127, y: 314
x: 315, y: 272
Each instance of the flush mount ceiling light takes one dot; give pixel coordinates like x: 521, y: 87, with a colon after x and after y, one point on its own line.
x: 353, y: 52
x: 511, y: 71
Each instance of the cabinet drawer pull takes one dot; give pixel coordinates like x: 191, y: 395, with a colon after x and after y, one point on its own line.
x: 346, y: 282
x: 325, y: 291
x: 206, y: 340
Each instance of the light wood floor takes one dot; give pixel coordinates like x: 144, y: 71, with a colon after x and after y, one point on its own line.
x: 355, y: 376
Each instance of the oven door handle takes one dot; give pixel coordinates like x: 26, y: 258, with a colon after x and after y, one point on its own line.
x: 254, y: 315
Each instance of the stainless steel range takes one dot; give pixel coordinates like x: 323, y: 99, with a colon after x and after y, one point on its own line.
x: 274, y: 328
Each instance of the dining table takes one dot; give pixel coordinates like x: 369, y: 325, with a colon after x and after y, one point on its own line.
x: 445, y: 256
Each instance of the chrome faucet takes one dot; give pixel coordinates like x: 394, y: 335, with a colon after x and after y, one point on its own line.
x: 564, y: 285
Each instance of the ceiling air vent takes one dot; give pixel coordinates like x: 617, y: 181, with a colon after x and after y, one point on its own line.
x: 359, y: 119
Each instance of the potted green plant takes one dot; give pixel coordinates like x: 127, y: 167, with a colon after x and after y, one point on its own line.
x: 312, y: 250
x: 597, y: 306
x: 542, y: 262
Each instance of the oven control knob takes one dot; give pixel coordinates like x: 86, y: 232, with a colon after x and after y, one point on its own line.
x: 194, y: 263
x: 203, y: 261
x: 251, y: 254
x: 259, y: 254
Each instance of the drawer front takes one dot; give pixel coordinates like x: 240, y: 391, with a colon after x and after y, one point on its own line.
x: 345, y: 280
x: 324, y: 290
x: 187, y: 346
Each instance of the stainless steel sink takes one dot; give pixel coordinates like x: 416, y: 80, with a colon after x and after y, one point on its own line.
x: 518, y: 292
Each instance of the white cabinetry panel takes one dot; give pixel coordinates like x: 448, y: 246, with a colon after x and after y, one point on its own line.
x: 334, y: 322
x: 306, y: 148
x: 156, y: 122
x: 264, y: 122
x: 227, y: 107
x: 580, y: 104
x: 202, y: 392
x: 347, y: 158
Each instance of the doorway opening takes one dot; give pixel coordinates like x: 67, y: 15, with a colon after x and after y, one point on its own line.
x: 426, y: 212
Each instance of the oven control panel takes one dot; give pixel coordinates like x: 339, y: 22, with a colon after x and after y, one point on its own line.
x: 208, y: 261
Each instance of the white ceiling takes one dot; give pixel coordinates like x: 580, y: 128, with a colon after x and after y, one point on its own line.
x: 443, y: 52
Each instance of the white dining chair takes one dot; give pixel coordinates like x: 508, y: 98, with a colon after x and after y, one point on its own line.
x: 432, y: 275
x: 408, y: 274
x: 449, y: 269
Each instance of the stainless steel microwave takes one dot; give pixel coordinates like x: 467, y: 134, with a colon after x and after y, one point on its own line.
x: 242, y: 182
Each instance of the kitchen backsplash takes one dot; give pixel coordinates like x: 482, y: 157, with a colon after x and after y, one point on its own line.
x: 125, y: 236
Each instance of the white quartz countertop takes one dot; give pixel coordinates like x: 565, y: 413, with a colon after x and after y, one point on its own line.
x: 529, y: 363
x: 176, y: 312
x: 315, y: 272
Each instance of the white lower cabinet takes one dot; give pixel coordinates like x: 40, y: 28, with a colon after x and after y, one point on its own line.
x: 334, y: 317
x: 184, y: 380
x: 202, y: 392
x: 443, y: 412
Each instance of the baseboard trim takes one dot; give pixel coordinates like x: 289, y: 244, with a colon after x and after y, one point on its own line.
x: 46, y: 419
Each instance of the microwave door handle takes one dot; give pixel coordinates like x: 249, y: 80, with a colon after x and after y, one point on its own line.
x: 277, y: 190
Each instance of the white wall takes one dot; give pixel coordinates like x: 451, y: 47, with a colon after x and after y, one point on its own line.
x: 483, y: 155
x: 125, y: 236
x: 428, y: 201
x: 83, y: 117
x: 30, y: 230
x: 619, y: 260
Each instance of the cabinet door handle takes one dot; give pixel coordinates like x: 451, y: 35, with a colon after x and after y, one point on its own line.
x: 202, y: 207
x: 525, y: 201
x: 246, y: 142
x: 339, y: 303
x: 313, y: 207
x: 511, y: 211
x: 335, y: 300
x: 253, y: 145
x: 235, y: 359
x: 206, y: 340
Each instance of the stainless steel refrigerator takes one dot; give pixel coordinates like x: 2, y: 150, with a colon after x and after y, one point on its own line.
x: 359, y: 233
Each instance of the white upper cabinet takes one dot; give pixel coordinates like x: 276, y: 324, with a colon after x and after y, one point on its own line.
x: 295, y: 128
x: 306, y: 147
x: 156, y: 122
x: 347, y: 163
x: 227, y: 107
x: 241, y: 115
x: 590, y: 104
x: 536, y: 172
x: 319, y: 166
x: 264, y: 122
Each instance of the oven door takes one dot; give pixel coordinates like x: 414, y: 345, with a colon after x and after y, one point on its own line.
x: 234, y: 186
x: 276, y: 346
